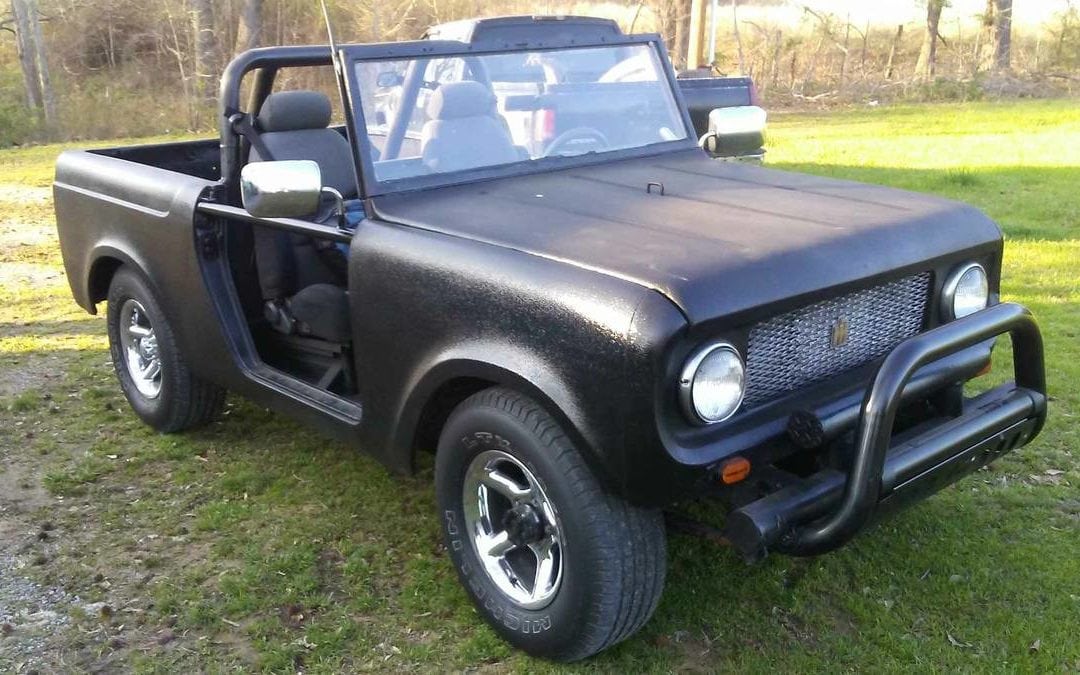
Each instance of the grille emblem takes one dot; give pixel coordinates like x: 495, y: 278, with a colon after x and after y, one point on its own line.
x: 838, y: 334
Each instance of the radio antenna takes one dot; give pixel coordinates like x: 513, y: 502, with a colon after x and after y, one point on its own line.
x: 330, y: 36
x: 343, y: 92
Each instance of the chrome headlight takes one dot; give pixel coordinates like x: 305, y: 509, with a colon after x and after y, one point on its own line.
x: 966, y: 292
x: 712, y: 383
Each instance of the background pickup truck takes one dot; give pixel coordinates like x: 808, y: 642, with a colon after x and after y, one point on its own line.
x: 726, y: 111
x: 586, y: 327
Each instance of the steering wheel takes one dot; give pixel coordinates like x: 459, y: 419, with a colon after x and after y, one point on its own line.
x: 578, y: 141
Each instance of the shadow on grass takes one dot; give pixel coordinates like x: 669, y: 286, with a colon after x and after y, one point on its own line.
x: 1027, y: 202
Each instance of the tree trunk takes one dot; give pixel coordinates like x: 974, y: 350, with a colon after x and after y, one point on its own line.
x: 984, y: 38
x: 683, y: 13
x: 927, y: 64
x: 48, y: 96
x: 865, y: 47
x: 844, y: 52
x: 1003, y: 35
x: 774, y: 75
x: 249, y: 29
x: 892, y: 51
x: 27, y: 52
x: 202, y: 17
x: 738, y: 37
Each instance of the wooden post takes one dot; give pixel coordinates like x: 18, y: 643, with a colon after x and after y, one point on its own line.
x: 695, y: 56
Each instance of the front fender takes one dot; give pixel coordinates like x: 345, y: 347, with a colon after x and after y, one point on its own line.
x: 467, y: 368
x: 430, y: 308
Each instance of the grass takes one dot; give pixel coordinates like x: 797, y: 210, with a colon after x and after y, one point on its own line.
x: 256, y: 544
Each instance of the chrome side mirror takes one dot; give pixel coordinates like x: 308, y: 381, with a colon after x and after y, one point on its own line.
x: 735, y: 132
x: 281, y: 189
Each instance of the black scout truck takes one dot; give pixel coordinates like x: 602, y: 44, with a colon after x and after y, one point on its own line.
x: 585, y: 326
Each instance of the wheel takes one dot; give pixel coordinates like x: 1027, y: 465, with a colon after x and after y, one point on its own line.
x: 559, y: 567
x: 153, y: 373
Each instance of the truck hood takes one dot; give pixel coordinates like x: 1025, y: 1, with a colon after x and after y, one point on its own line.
x: 722, y: 238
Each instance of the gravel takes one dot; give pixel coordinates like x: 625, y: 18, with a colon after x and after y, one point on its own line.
x: 30, y: 614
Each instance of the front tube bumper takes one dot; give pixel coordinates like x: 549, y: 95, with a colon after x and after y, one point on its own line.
x: 826, y: 510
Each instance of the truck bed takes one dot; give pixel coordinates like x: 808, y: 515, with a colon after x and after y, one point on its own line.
x: 198, y: 158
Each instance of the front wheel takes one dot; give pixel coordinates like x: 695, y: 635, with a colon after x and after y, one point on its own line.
x: 559, y: 567
x: 152, y: 371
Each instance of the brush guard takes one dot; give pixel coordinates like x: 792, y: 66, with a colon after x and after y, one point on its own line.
x: 824, y: 511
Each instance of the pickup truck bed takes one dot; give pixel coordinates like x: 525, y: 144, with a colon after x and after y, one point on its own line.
x: 199, y: 158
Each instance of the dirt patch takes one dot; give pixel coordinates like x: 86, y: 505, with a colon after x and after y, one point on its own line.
x: 30, y: 275
x: 14, y: 236
x: 26, y: 221
x: 21, y: 491
x: 35, y: 372
x: 23, y: 194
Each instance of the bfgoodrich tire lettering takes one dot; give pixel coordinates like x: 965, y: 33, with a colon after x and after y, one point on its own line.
x: 180, y: 400
x: 613, y: 554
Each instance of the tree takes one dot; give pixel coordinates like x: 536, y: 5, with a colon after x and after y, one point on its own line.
x: 249, y: 29
x: 892, y: 51
x: 927, y: 63
x: 33, y: 59
x: 27, y: 55
x: 1003, y: 34
x: 202, y: 17
x: 667, y: 19
x: 683, y: 14
x: 738, y: 38
x: 997, y: 28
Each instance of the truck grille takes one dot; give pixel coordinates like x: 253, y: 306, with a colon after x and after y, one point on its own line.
x: 809, y: 344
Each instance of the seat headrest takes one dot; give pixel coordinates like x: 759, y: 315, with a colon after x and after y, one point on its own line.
x: 461, y: 99
x: 292, y: 110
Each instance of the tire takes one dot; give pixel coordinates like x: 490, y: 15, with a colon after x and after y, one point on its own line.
x: 611, y: 556
x: 176, y: 399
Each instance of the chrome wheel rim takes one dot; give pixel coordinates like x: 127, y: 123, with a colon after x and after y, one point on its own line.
x: 514, y: 529
x: 139, y: 347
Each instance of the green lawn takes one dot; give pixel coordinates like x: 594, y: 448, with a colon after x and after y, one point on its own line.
x: 256, y: 544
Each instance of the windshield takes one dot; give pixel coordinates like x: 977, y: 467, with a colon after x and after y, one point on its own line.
x: 429, y: 116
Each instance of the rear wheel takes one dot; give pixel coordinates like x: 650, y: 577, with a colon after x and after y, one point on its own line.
x: 559, y: 567
x: 153, y: 374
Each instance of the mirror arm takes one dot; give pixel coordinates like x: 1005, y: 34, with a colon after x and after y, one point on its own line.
x: 339, y: 206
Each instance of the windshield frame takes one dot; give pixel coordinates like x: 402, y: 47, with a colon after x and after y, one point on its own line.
x: 371, y: 187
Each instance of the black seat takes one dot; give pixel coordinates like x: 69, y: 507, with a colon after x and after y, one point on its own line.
x: 465, y: 130
x: 301, y: 279
x: 293, y: 125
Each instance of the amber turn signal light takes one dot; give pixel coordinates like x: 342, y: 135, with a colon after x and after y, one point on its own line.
x: 734, y: 470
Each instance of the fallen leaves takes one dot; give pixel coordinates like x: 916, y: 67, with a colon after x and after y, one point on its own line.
x: 1048, y: 477
x: 958, y: 643
x: 387, y: 650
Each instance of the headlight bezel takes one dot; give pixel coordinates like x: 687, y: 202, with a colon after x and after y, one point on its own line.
x: 689, y: 373
x: 952, y: 284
